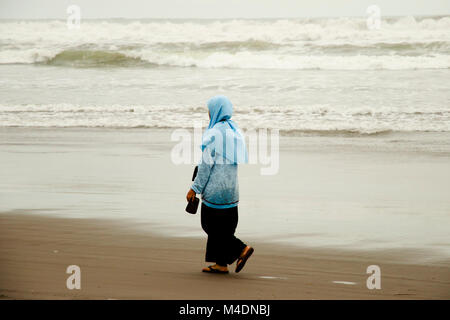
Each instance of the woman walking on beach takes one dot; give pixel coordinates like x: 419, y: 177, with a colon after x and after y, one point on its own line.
x: 223, y: 147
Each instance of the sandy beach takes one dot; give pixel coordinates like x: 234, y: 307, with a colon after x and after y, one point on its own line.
x: 119, y: 263
x: 111, y: 202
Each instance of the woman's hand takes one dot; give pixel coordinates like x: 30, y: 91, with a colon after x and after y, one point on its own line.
x: 190, y: 195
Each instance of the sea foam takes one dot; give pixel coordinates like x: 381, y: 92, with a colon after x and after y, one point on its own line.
x: 329, y: 44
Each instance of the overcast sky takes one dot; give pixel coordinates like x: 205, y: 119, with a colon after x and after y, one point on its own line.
x: 38, y: 9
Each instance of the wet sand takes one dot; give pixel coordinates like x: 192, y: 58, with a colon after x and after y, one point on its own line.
x: 357, y: 193
x: 119, y: 262
x: 112, y: 202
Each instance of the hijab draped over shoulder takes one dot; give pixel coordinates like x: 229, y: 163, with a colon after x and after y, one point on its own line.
x: 223, y: 136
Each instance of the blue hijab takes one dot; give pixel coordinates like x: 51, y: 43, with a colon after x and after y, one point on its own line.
x: 223, y: 135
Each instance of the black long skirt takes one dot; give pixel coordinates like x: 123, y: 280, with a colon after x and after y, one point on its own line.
x: 222, y: 247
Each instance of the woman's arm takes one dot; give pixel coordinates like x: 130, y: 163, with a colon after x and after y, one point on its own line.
x: 204, y: 170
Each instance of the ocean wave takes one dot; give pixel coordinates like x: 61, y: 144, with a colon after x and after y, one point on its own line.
x: 337, y: 132
x: 314, y: 119
x: 239, y: 60
x: 402, y: 48
x: 334, y: 43
x: 86, y: 58
x: 229, y: 46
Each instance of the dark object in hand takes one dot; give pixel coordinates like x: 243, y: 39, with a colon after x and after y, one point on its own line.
x: 192, y: 206
x: 195, y: 173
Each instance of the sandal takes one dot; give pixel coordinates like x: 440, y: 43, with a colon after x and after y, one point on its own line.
x: 246, y: 253
x: 210, y: 269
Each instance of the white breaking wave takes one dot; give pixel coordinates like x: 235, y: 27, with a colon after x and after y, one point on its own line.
x: 337, y: 43
x: 316, y: 118
x: 247, y: 60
